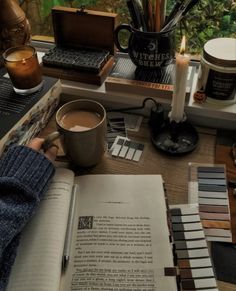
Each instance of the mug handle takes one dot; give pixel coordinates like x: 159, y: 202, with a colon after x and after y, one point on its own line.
x: 116, y: 37
x: 48, y: 142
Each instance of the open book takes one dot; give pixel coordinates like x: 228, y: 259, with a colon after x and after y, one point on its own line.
x: 121, y: 239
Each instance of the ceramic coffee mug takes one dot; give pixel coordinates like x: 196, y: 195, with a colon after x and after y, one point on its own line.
x: 81, y: 127
x: 147, y: 49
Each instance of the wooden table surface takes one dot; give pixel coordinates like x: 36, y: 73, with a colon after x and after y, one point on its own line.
x: 174, y: 170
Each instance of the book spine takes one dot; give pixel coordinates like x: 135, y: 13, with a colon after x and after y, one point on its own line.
x: 33, y: 121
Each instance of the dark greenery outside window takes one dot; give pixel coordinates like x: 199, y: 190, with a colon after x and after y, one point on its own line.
x: 208, y: 19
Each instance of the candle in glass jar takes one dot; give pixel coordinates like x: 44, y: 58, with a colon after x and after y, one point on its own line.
x: 181, y: 74
x: 23, y: 67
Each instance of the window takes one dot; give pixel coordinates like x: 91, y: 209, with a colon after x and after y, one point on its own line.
x: 208, y: 19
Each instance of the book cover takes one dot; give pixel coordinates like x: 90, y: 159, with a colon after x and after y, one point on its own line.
x: 126, y: 78
x: 22, y: 117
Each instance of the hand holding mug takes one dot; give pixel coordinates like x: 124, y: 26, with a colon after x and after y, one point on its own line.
x: 81, y: 128
x: 37, y: 144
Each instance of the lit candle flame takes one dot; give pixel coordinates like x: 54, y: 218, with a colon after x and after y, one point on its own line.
x: 23, y: 61
x: 182, y: 46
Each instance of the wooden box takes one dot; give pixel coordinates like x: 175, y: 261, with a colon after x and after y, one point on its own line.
x: 75, y: 28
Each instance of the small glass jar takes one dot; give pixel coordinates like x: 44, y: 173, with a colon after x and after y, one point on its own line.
x: 217, y: 75
x: 23, y: 68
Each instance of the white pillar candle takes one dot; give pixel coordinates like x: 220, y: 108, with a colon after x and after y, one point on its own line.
x: 181, y: 74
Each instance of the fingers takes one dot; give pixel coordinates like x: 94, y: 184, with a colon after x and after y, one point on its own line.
x: 50, y: 152
x: 36, y: 143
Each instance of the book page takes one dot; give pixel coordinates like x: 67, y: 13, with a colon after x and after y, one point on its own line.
x: 39, y: 256
x: 121, y: 237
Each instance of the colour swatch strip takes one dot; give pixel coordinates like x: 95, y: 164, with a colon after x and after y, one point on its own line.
x: 214, y: 203
x: 190, y: 249
x: 126, y: 149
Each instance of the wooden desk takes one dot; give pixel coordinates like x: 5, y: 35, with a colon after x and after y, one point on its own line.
x: 174, y: 170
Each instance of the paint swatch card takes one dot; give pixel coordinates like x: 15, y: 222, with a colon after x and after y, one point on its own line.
x: 208, y: 188
x: 190, y: 249
x: 132, y: 121
x: 115, y: 127
x: 118, y: 123
x: 126, y: 149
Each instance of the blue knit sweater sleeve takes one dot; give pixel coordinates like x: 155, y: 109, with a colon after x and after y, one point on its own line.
x: 24, y: 178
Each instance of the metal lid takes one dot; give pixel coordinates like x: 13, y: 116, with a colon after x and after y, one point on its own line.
x: 221, y: 52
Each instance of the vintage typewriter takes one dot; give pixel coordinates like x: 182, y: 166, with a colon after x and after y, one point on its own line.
x: 82, y: 59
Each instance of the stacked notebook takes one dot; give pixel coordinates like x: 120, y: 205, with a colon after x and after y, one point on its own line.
x: 125, y: 77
